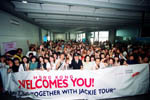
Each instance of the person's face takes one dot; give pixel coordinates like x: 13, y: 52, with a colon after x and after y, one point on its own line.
x: 97, y: 61
x: 24, y: 60
x: 45, y: 60
x: 2, y: 59
x: 131, y: 58
x: 32, y: 49
x: 62, y: 56
x: 102, y: 56
x: 19, y: 51
x: 16, y: 62
x: 76, y: 58
x: 111, y: 61
x: 145, y: 60
x: 33, y: 59
x: 51, y: 59
x: 107, y: 56
x: 10, y: 63
x: 92, y: 59
x: 116, y: 58
x: 55, y: 56
x: 41, y: 59
x: 87, y: 59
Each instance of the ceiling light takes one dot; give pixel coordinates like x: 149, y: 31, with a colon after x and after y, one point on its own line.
x: 24, y: 1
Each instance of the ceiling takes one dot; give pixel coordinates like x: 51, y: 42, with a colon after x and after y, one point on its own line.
x: 83, y: 15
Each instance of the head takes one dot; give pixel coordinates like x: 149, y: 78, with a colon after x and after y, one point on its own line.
x: 131, y: 57
x: 16, y: 61
x: 76, y: 56
x: 10, y: 63
x: 55, y: 56
x: 51, y: 58
x: 25, y: 59
x: 30, y: 55
x: 2, y: 59
x: 102, y: 56
x: 87, y: 58
x: 19, y: 51
x: 33, y: 59
x: 46, y: 60
x: 145, y: 59
x: 41, y: 59
x: 32, y: 49
x: 111, y: 61
x: 116, y: 58
x: 92, y: 58
x: 97, y: 61
x: 62, y: 56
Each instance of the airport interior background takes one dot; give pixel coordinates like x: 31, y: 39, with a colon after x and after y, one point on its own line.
x: 84, y: 20
x: 37, y: 21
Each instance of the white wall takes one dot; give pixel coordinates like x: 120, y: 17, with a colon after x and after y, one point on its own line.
x: 59, y: 36
x: 19, y: 33
x: 62, y: 36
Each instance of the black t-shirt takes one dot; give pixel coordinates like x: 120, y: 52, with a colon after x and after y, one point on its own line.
x: 15, y: 68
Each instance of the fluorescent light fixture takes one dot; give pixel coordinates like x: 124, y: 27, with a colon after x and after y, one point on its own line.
x: 24, y: 1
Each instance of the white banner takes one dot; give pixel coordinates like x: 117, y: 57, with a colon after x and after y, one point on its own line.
x: 81, y: 84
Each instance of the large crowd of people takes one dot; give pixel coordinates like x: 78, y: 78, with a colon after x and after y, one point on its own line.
x: 61, y: 55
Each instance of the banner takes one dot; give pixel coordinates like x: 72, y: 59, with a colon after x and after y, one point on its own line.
x: 81, y: 84
x: 7, y: 46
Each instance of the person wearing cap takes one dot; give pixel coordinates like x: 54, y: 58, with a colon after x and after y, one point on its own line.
x: 76, y: 63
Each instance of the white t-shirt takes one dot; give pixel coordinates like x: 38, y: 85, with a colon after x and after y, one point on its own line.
x: 88, y: 66
x: 53, y: 66
x: 21, y: 68
x: 34, y: 53
x: 48, y: 66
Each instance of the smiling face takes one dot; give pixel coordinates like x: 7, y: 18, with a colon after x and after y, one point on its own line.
x: 16, y: 62
x: 51, y: 59
x: 87, y: 59
x: 25, y: 60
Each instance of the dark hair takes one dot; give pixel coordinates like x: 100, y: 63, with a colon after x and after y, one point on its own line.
x: 86, y: 57
x: 92, y: 56
x: 97, y: 58
x: 46, y: 58
x: 30, y: 54
x: 19, y: 49
x: 3, y: 57
x: 33, y: 58
x: 52, y: 57
x: 112, y: 59
x: 15, y: 60
x: 26, y: 58
x: 122, y: 61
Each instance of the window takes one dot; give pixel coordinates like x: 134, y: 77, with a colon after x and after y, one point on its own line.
x: 103, y: 35
x: 96, y: 36
x: 81, y: 37
x: 99, y: 36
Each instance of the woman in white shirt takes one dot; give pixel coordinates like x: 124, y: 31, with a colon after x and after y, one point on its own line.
x: 24, y: 66
x: 52, y: 62
x: 48, y: 66
x: 87, y: 65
